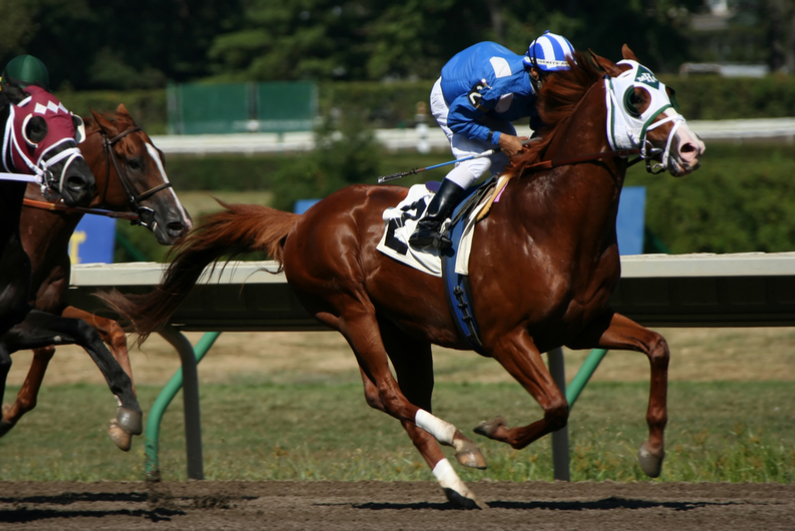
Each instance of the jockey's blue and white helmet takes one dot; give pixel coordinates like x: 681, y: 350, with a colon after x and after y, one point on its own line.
x: 548, y: 53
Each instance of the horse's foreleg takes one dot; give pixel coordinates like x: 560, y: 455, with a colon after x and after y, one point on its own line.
x: 26, y: 398
x: 41, y: 329
x: 5, y: 366
x: 614, y: 331
x: 111, y: 333
x: 518, y: 354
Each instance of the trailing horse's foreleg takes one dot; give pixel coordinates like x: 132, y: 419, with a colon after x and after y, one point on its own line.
x: 615, y: 331
x: 111, y: 333
x: 5, y: 366
x: 26, y: 398
x: 42, y: 329
x: 518, y: 354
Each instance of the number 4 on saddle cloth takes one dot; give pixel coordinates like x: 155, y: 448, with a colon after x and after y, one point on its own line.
x: 453, y: 264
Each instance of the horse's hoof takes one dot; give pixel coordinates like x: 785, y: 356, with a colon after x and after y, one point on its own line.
x: 120, y: 438
x: 470, y: 456
x: 464, y: 501
x: 649, y: 462
x: 5, y: 426
x: 130, y: 421
x: 488, y: 428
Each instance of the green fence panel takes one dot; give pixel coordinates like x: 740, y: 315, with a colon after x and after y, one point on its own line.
x: 210, y: 109
x: 286, y: 106
x: 222, y: 108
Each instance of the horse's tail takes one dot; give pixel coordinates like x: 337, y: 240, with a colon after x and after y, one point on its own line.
x: 238, y: 230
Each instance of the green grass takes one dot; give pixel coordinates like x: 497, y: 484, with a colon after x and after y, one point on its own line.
x: 717, y: 432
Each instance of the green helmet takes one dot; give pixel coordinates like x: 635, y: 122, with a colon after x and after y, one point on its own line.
x: 25, y: 70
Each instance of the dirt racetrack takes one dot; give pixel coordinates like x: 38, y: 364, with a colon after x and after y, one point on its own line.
x: 406, y: 505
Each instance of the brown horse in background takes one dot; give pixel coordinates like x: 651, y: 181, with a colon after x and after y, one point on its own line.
x: 130, y: 177
x: 544, y: 263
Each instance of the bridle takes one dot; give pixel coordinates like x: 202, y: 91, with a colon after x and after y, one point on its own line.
x: 146, y: 216
x: 626, y: 127
x: 139, y: 215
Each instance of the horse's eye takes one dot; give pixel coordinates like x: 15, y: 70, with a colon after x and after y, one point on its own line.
x: 35, y: 130
x: 631, y: 102
x: 135, y: 164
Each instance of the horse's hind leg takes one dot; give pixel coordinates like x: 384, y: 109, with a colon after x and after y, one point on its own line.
x: 358, y: 324
x: 413, y: 362
x: 614, y: 331
x: 26, y: 397
x: 518, y: 354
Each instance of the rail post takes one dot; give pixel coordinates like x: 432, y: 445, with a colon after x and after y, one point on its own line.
x: 190, y: 358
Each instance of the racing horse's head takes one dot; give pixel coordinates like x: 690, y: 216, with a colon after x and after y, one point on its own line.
x: 643, y: 114
x: 40, y: 138
x: 131, y: 174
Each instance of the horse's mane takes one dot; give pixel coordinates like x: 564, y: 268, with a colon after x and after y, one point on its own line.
x: 557, y: 99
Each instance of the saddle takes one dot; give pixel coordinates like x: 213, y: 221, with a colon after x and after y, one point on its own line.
x: 452, y: 265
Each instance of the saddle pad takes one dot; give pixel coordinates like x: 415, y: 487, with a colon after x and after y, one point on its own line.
x: 400, y: 222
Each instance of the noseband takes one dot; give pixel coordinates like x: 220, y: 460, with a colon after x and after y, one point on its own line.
x: 146, y: 216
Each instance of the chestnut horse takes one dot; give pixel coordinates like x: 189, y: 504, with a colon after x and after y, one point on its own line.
x: 40, y: 138
x: 130, y: 177
x: 543, y: 265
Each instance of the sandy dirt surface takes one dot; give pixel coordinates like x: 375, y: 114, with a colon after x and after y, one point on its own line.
x: 400, y: 506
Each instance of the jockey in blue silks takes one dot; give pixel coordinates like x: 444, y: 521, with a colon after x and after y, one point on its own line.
x: 481, y: 91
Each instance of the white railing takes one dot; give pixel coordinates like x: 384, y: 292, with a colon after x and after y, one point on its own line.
x: 768, y: 128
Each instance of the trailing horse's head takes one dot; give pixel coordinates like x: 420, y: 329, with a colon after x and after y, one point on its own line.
x: 141, y: 184
x: 642, y: 113
x: 41, y: 139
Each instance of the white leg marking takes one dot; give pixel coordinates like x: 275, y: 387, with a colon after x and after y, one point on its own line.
x: 448, y: 479
x: 441, y: 430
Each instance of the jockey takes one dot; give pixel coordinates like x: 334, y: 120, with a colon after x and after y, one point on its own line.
x: 480, y: 92
x: 24, y: 70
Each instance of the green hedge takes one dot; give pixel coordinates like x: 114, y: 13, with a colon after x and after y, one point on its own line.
x: 390, y: 105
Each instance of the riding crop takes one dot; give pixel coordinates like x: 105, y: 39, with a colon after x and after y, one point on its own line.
x: 401, y: 174
x: 487, y: 153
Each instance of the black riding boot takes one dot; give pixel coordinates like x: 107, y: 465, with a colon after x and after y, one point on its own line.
x: 442, y: 205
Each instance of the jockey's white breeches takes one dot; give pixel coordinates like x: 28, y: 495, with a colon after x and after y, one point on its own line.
x: 467, y: 172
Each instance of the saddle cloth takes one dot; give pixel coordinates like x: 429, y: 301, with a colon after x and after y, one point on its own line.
x: 400, y: 222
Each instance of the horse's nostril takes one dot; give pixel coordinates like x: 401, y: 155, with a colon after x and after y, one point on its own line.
x: 688, y: 148
x: 76, y: 183
x: 175, y: 227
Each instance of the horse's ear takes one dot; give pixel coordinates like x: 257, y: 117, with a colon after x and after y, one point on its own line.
x: 121, y: 110
x: 605, y: 64
x: 626, y: 53
x: 104, y: 124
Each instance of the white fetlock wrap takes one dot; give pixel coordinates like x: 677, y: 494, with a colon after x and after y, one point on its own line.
x: 448, y: 479
x: 441, y: 430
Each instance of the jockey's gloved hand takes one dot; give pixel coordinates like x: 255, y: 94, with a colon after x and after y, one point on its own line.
x: 511, y: 145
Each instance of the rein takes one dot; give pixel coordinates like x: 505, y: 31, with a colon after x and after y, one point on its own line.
x: 140, y: 215
x: 43, y: 205
x: 549, y: 164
